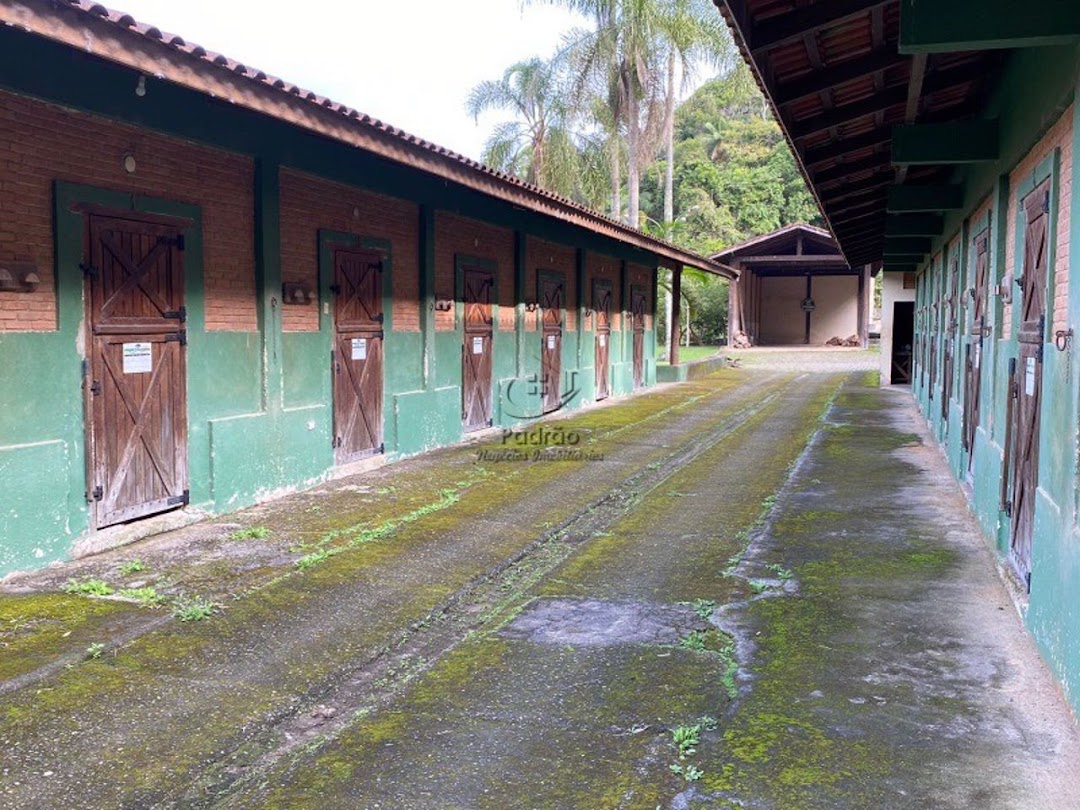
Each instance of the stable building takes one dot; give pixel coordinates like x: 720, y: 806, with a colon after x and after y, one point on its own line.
x: 796, y: 288
x: 216, y: 286
x: 939, y: 139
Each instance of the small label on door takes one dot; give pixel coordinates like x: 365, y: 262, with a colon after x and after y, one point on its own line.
x: 551, y: 341
x: 359, y: 348
x: 138, y: 358
x: 978, y: 354
x: 477, y: 345
x: 603, y: 341
x: 1029, y: 377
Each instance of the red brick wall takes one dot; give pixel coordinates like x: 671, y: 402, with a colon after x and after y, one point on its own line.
x: 543, y: 255
x: 40, y: 143
x: 309, y: 204
x: 455, y: 235
x: 1059, y: 137
x: 599, y: 266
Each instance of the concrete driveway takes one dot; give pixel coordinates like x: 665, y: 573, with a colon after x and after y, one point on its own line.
x: 761, y: 589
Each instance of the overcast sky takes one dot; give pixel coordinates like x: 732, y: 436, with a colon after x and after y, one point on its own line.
x: 410, y: 63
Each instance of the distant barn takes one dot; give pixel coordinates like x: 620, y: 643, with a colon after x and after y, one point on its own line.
x: 796, y: 288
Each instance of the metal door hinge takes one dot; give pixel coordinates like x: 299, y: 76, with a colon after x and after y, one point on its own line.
x: 97, y: 493
x: 95, y: 387
x: 176, y: 314
x: 89, y: 270
x: 1027, y: 581
x: 336, y: 443
x: 177, y: 337
x: 382, y: 447
x: 180, y: 500
x: 177, y: 241
x: 335, y: 289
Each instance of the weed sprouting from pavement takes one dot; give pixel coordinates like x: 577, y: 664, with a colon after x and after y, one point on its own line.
x: 686, y: 739
x: 147, y: 596
x: 783, y: 574
x: 193, y: 608
x: 88, y: 587
x: 132, y: 567
x: 694, y: 640
x: 95, y: 650
x: 250, y: 533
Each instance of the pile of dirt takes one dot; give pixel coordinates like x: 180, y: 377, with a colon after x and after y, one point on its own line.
x: 741, y: 340
x: 839, y: 341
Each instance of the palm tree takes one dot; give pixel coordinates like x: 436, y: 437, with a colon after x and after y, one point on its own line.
x: 691, y: 31
x: 536, y: 145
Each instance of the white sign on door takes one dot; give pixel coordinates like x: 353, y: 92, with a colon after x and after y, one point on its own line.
x: 477, y: 345
x: 1029, y: 377
x: 978, y: 354
x: 359, y: 348
x: 603, y: 341
x: 138, y: 358
x: 551, y: 341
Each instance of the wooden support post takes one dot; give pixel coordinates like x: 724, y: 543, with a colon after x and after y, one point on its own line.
x: 676, y: 310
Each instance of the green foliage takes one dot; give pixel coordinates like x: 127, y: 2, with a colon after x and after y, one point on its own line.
x: 132, y: 567
x: 88, y: 587
x: 95, y: 650
x: 704, y: 607
x: 194, y: 608
x: 694, y: 640
x: 686, y: 739
x: 144, y: 596
x: 250, y: 533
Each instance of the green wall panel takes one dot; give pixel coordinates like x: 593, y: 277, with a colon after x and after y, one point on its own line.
x: 305, y: 366
x: 38, y: 512
x: 427, y: 419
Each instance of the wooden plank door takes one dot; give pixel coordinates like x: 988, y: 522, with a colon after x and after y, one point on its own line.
x: 1027, y: 386
x: 136, y: 387
x: 602, y: 313
x: 952, y: 314
x: 638, y: 309
x: 973, y: 357
x: 358, y: 353
x: 476, y: 350
x: 551, y: 318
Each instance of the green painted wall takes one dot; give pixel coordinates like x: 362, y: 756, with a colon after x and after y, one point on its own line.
x: 260, y: 419
x: 1038, y: 86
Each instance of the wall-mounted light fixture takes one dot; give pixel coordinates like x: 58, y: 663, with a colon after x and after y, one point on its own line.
x: 296, y: 293
x: 588, y: 312
x: 19, y: 277
x: 129, y: 163
x: 443, y: 305
x: 140, y: 87
x: 530, y: 306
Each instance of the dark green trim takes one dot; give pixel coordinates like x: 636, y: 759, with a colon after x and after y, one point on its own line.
x: 579, y: 280
x: 915, y: 225
x: 520, y: 254
x: 954, y: 142
x: 268, y: 280
x: 915, y: 199
x: 930, y: 26
x: 427, y: 293
x: 895, y: 245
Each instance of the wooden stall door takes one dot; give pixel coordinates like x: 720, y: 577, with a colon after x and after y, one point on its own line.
x: 551, y: 304
x: 476, y: 351
x: 949, y: 349
x: 602, y: 313
x: 973, y: 356
x: 358, y: 353
x: 1027, y: 385
x: 136, y: 386
x: 638, y: 309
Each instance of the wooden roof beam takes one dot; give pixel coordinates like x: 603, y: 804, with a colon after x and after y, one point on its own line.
x: 880, y: 161
x: 891, y: 97
x: 947, y: 143
x: 842, y: 146
x: 785, y: 28
x: 830, y: 77
x: 930, y: 26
